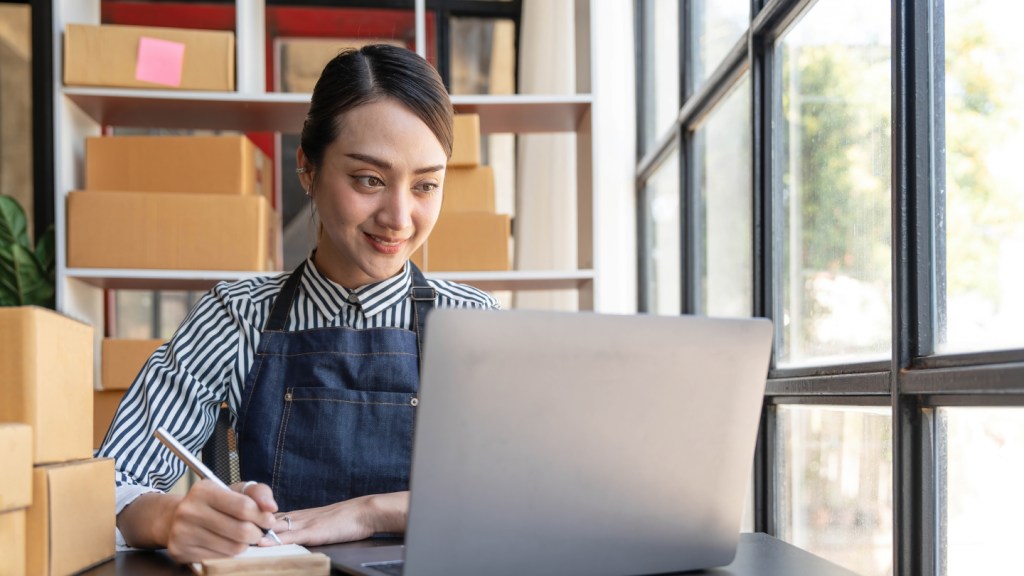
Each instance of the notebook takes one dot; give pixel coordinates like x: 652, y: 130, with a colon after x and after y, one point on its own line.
x: 578, y: 443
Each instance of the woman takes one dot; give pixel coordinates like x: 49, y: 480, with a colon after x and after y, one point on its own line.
x: 318, y: 367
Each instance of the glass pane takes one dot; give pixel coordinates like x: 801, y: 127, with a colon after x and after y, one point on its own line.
x: 834, y: 187
x: 719, y: 24
x: 726, y: 200
x: 981, y: 471
x: 661, y: 207
x: 483, y: 59
x: 659, y: 68
x: 834, y: 467
x: 984, y: 235
x: 16, y: 107
x: 151, y: 314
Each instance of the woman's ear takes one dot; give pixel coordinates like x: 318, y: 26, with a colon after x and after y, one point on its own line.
x: 304, y: 170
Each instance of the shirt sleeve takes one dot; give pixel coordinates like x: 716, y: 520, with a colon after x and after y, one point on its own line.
x: 181, y: 388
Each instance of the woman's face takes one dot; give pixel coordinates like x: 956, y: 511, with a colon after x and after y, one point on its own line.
x: 378, y: 193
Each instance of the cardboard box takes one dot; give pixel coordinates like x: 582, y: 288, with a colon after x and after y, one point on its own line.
x: 16, y: 467
x: 468, y: 190
x: 466, y: 148
x: 230, y: 165
x: 104, y: 406
x: 46, y: 380
x: 171, y: 231
x: 465, y: 242
x: 303, y: 59
x: 145, y: 57
x: 70, y: 525
x: 12, y: 543
x: 121, y: 359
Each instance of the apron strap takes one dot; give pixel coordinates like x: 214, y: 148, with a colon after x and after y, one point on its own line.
x: 423, y: 299
x: 283, y: 301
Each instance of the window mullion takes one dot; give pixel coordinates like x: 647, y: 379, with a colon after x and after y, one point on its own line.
x: 915, y: 534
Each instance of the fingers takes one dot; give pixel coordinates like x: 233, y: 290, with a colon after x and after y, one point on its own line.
x: 211, y: 522
x: 259, y: 492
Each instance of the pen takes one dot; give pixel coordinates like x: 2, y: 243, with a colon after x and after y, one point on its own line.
x: 198, y: 467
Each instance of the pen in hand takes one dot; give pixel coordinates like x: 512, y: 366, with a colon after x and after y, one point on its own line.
x: 198, y: 467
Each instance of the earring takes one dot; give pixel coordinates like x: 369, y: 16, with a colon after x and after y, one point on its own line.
x: 306, y: 190
x: 300, y: 170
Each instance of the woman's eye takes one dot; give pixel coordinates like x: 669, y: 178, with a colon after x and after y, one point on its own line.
x: 427, y: 187
x: 369, y: 181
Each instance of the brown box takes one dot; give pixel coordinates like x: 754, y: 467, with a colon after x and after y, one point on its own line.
x: 121, y: 359
x: 466, y: 149
x: 230, y: 165
x: 46, y: 380
x: 112, y: 55
x: 15, y: 467
x: 303, y: 59
x: 468, y: 190
x: 171, y: 231
x: 104, y: 406
x: 465, y: 242
x: 12, y: 543
x: 70, y: 525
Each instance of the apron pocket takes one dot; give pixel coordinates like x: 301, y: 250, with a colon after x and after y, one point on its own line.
x: 337, y: 444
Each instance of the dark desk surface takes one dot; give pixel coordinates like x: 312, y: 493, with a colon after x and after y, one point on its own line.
x: 758, y: 554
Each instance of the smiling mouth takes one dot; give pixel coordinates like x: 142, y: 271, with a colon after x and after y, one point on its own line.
x: 384, y: 241
x: 386, y: 245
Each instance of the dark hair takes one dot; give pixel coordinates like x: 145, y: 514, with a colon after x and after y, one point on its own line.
x: 369, y: 74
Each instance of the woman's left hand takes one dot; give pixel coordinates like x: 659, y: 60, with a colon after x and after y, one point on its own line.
x: 354, y: 519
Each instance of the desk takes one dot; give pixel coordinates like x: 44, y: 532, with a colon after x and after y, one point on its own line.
x: 758, y: 555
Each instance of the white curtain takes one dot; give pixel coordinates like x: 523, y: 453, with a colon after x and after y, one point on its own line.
x: 545, y: 214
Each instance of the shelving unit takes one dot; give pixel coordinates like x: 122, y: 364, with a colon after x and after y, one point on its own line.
x: 81, y: 112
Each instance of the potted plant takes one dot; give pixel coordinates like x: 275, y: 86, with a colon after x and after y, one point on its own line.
x: 26, y: 275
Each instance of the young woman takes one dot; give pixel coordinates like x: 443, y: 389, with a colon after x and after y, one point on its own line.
x: 319, y: 367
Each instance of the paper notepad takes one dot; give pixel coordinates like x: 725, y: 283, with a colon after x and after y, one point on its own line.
x: 287, y: 559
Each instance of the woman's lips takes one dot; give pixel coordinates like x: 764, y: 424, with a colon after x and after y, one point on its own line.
x: 385, y: 245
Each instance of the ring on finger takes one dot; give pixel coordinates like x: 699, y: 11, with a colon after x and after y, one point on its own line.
x: 288, y: 519
x: 247, y: 485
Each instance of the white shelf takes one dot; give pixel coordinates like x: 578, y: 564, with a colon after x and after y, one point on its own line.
x: 284, y: 112
x: 132, y: 279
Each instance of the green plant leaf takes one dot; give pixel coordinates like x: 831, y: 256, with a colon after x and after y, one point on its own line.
x: 45, y: 253
x: 13, y: 225
x: 23, y: 282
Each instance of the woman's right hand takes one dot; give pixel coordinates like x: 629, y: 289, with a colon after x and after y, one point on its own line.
x: 211, y: 522
x: 208, y: 522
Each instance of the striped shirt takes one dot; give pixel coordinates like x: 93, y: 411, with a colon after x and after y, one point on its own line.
x: 207, y: 360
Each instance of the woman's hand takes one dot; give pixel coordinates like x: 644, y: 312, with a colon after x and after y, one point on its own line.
x: 210, y: 522
x: 354, y: 519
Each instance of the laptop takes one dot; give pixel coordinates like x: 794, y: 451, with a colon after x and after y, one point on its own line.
x: 578, y: 443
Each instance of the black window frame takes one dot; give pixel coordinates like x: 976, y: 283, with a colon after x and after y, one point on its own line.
x: 915, y: 381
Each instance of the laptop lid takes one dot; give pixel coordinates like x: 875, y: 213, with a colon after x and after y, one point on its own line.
x: 582, y: 443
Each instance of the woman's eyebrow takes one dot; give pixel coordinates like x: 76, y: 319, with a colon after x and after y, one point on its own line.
x: 385, y: 165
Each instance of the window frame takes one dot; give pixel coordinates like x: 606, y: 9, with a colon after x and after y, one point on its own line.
x: 915, y: 381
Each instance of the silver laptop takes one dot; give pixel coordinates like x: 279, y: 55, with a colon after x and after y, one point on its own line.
x: 578, y: 443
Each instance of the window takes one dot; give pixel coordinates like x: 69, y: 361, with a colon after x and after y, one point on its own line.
x: 660, y: 200
x: 725, y: 221
x: 835, y: 184
x: 984, y: 227
x: 877, y: 198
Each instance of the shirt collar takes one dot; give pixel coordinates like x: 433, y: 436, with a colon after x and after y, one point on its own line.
x: 331, y: 298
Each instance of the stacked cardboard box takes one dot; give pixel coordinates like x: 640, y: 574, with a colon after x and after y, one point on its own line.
x: 174, y: 202
x: 46, y: 381
x: 143, y: 57
x: 469, y: 235
x: 120, y: 362
x: 15, y: 494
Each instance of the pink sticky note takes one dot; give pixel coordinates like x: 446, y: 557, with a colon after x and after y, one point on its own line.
x: 159, y: 61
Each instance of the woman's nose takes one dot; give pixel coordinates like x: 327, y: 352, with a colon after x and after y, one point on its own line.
x: 396, y: 210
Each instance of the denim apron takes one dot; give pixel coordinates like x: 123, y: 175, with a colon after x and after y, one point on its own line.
x: 327, y: 413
